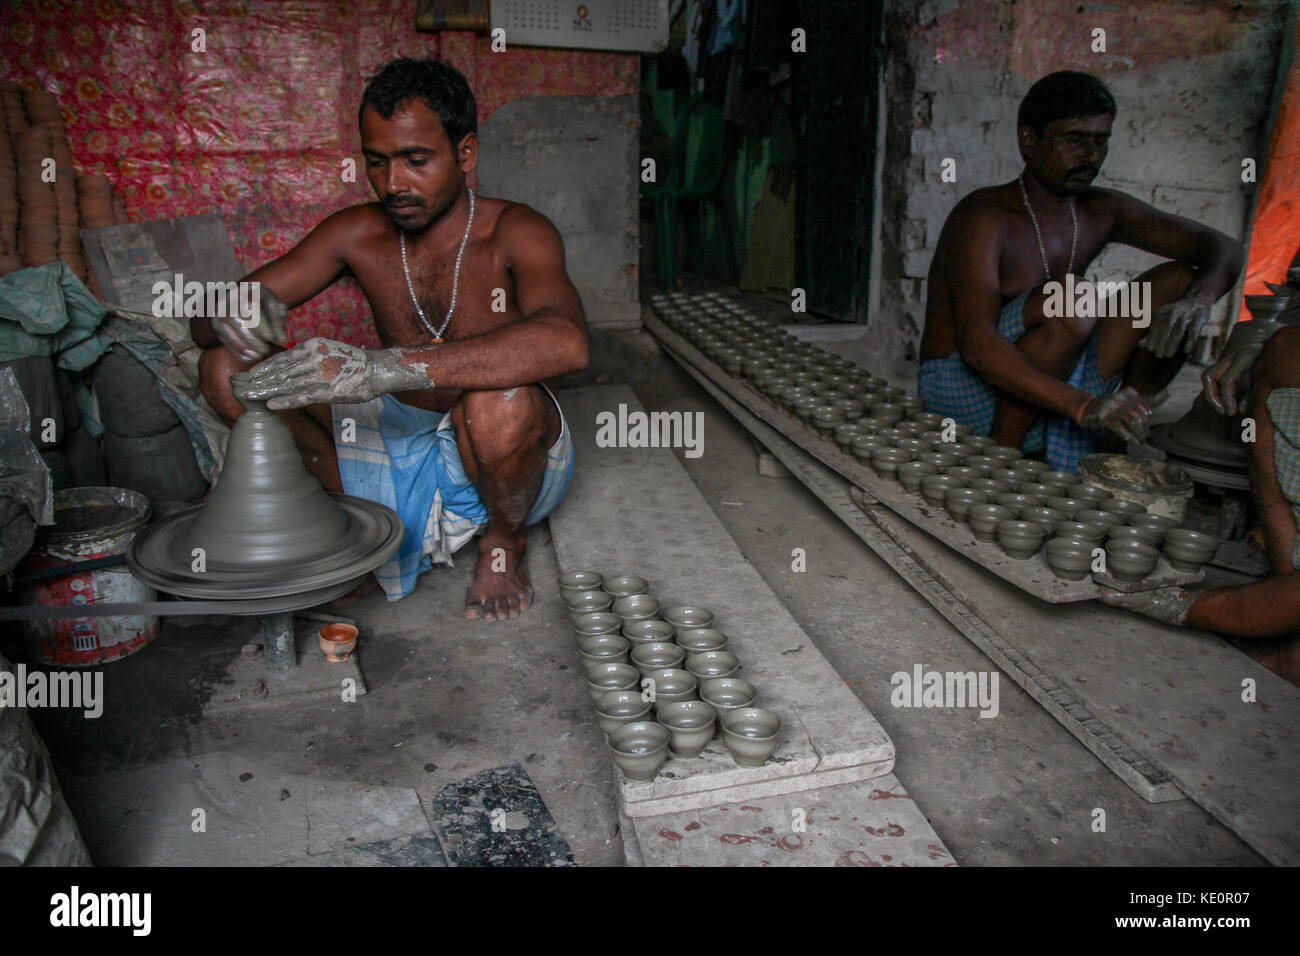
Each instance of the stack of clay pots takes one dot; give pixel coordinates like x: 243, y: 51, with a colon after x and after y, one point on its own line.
x: 1018, y: 502
x: 661, y: 679
x: 40, y: 221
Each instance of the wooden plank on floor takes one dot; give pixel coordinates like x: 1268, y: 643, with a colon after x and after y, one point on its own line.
x: 1031, y: 575
x: 636, y: 511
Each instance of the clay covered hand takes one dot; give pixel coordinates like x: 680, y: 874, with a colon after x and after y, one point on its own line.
x: 1222, y: 379
x: 1167, y: 605
x: 1179, y: 321
x: 1123, y: 411
x: 325, y: 371
x: 254, y: 335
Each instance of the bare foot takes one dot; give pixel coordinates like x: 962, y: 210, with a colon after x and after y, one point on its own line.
x: 500, y: 589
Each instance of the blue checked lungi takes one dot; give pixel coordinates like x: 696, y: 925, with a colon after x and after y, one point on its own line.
x: 949, y: 387
x: 407, y: 458
x: 1284, y: 409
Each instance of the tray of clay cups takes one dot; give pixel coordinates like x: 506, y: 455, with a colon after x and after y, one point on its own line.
x: 664, y: 682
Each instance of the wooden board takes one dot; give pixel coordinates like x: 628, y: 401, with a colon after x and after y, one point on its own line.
x: 1032, y: 575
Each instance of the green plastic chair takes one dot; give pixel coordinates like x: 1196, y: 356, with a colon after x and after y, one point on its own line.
x: 695, y: 177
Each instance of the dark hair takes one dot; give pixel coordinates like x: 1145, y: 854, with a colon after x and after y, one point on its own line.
x: 1064, y: 95
x: 441, y: 86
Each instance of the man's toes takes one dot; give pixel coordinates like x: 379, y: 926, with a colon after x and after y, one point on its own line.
x: 473, y: 608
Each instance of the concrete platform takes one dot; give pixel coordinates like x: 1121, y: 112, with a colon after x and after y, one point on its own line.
x: 870, y: 823
x: 635, y: 511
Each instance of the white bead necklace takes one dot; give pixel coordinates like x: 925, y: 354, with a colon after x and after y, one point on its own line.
x: 455, y: 282
x: 1074, y: 239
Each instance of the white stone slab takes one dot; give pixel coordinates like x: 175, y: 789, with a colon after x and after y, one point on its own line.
x: 636, y: 511
x: 866, y: 823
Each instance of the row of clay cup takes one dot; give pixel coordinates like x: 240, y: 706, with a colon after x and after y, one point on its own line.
x: 1020, y: 503
x: 634, y: 661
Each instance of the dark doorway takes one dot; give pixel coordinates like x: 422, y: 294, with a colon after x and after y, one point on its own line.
x: 836, y: 106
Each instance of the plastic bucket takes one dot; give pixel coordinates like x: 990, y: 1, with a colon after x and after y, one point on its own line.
x: 89, y: 523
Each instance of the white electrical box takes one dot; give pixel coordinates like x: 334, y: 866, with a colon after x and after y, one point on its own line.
x: 633, y: 25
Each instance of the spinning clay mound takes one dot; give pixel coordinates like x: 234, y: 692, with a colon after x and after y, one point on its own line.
x: 268, y: 529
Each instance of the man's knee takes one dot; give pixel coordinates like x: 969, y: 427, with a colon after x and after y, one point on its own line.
x: 1064, y: 330
x: 216, y: 365
x: 502, y: 422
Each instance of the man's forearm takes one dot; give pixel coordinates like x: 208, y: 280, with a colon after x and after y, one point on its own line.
x: 543, y: 346
x: 1217, y: 262
x: 1262, y: 609
x: 1006, y: 368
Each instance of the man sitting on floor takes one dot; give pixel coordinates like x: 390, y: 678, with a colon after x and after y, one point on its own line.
x: 1014, y: 354
x: 1269, y: 608
x: 448, y: 424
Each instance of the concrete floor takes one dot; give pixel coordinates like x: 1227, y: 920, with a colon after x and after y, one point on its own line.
x: 450, y: 697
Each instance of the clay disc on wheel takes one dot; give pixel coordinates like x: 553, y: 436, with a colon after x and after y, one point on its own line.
x: 162, y: 557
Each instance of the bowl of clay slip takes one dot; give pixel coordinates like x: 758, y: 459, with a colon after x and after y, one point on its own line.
x: 750, y: 734
x: 618, y: 708
x: 639, y: 749
x: 690, y: 726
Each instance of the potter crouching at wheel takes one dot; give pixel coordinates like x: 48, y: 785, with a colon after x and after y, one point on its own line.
x: 448, y: 424
x: 1268, y: 609
x: 1018, y: 345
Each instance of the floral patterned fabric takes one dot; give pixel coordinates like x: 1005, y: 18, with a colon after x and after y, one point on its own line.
x: 257, y: 124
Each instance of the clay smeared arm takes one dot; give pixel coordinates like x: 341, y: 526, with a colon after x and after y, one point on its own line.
x: 323, y: 371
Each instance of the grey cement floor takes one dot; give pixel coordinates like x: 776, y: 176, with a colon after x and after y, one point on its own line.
x: 450, y: 697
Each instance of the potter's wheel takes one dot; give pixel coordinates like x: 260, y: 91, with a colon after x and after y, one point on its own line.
x: 1209, y: 466
x: 161, y: 557
x: 268, y: 529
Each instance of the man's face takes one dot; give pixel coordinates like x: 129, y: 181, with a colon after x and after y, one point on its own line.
x: 412, y: 166
x: 1068, y: 155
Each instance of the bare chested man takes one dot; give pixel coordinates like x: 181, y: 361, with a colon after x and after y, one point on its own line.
x: 994, y: 357
x: 474, y: 308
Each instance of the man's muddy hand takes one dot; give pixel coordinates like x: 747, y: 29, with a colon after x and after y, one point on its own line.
x: 1166, y: 605
x: 323, y: 371
x: 1222, y: 379
x: 1124, y: 412
x: 1179, y: 321
x: 256, y: 334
